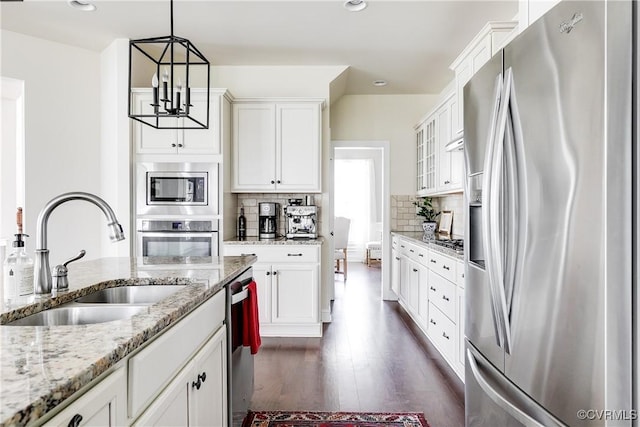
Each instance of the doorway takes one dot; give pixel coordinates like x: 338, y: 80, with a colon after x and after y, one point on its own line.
x: 360, y: 192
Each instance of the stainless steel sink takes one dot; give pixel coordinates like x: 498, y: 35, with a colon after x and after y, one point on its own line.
x: 78, y: 315
x: 142, y: 294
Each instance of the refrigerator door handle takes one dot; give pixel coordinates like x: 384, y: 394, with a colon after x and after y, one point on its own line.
x: 503, y: 198
x: 497, y: 397
x: 488, y: 196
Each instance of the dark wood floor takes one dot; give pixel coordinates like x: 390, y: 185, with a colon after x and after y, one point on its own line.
x: 371, y: 358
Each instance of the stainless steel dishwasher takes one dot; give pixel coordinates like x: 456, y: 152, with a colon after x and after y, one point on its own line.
x: 240, y: 360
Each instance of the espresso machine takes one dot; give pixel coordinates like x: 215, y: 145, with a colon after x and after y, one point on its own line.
x: 301, y: 221
x: 267, y: 220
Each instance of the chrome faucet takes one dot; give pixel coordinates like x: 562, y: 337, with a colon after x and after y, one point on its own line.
x: 42, y: 282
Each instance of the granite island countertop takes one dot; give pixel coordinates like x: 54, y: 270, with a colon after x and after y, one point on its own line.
x: 40, y: 367
x: 418, y: 237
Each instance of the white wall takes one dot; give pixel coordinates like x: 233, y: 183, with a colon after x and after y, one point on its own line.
x: 388, y: 118
x: 62, y: 138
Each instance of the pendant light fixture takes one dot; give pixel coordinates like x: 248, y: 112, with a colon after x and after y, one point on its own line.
x: 162, y: 73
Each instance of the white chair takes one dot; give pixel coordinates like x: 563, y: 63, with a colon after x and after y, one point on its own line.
x: 341, y: 239
x: 374, y: 247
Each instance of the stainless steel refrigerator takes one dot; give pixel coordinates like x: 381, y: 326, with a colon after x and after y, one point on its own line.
x: 551, y: 252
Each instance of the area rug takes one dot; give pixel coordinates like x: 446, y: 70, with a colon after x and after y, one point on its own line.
x: 334, y: 419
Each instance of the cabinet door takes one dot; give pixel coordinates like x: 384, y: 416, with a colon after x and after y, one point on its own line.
x: 444, y: 136
x: 430, y: 154
x: 463, y: 75
x: 262, y: 276
x: 295, y: 293
x: 171, y: 408
x: 395, y: 272
x: 420, y: 184
x: 414, y: 283
x: 103, y: 405
x: 423, y: 295
x: 149, y: 140
x: 202, y: 141
x: 404, y: 279
x: 208, y: 389
x: 298, y: 147
x: 254, y: 147
x: 460, y: 325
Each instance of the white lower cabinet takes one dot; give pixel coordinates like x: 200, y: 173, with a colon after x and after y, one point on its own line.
x: 197, y: 395
x: 431, y: 289
x: 288, y: 283
x: 103, y: 405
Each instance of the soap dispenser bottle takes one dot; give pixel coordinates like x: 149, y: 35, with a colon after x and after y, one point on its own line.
x: 18, y: 267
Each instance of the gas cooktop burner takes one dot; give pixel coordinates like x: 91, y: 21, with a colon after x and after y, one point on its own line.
x: 453, y: 244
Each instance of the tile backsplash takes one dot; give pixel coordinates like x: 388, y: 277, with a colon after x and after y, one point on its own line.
x: 250, y: 203
x: 404, y: 218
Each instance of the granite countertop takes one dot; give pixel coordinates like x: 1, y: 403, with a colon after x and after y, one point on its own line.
x: 42, y: 366
x: 254, y: 240
x: 418, y: 237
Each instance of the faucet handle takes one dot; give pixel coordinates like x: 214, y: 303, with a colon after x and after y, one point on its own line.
x: 60, y: 282
x: 75, y: 258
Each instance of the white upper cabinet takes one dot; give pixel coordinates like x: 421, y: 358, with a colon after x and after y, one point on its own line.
x: 276, y: 146
x: 483, y: 46
x: 148, y: 140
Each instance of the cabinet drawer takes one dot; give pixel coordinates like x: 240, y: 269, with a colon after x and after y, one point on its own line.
x: 442, y: 294
x: 443, y: 265
x: 276, y: 253
x: 171, y: 350
x: 442, y: 332
x: 460, y: 274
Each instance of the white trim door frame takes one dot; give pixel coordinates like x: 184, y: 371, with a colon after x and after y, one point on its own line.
x: 386, y: 292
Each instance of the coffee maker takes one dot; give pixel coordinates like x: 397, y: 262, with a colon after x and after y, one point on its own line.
x: 267, y: 220
x: 301, y: 221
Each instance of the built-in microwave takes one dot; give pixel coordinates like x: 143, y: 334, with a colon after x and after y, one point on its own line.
x: 177, y: 189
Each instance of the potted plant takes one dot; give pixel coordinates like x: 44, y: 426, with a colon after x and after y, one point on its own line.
x: 425, y: 210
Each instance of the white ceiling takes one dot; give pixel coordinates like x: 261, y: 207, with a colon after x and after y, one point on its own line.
x: 408, y: 43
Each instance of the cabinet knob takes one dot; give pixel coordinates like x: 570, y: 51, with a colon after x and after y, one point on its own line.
x: 268, y: 273
x: 397, y: 259
x: 445, y: 298
x: 180, y: 145
x: 432, y: 260
x: 432, y: 288
x: 447, y: 182
x: 275, y: 273
x: 202, y: 377
x: 433, y: 322
x: 415, y: 270
x: 196, y: 385
x: 279, y: 182
x: 173, y: 145
x: 75, y: 420
x: 273, y: 182
x: 445, y: 335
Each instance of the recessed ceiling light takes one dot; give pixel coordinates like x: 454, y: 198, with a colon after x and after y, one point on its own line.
x: 355, y: 5
x: 379, y: 82
x: 82, y: 5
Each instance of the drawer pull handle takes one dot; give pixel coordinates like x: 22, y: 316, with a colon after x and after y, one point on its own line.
x: 402, y: 246
x: 411, y: 250
x: 432, y: 288
x: 422, y: 255
x: 247, y: 254
x: 445, y: 335
x: 75, y: 420
x: 445, y: 267
x: 433, y: 322
x: 432, y: 260
x: 294, y: 254
x: 444, y: 297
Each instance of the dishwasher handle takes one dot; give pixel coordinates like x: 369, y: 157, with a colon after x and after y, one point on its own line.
x: 240, y: 290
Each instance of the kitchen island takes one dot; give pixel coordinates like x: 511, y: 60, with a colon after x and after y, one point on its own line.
x: 44, y: 367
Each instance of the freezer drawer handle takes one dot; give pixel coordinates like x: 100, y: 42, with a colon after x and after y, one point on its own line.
x: 496, y: 397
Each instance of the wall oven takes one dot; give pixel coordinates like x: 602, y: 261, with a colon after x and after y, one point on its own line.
x: 176, y: 238
x: 176, y: 189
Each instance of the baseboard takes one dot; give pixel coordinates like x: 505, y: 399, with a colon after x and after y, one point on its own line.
x: 291, y: 330
x: 326, y: 316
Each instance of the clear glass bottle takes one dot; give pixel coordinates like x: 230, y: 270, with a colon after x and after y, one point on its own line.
x: 18, y: 268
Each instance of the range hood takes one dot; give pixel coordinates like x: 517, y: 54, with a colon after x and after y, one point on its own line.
x: 455, y: 144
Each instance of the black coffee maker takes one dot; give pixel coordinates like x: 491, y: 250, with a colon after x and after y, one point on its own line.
x: 268, y: 220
